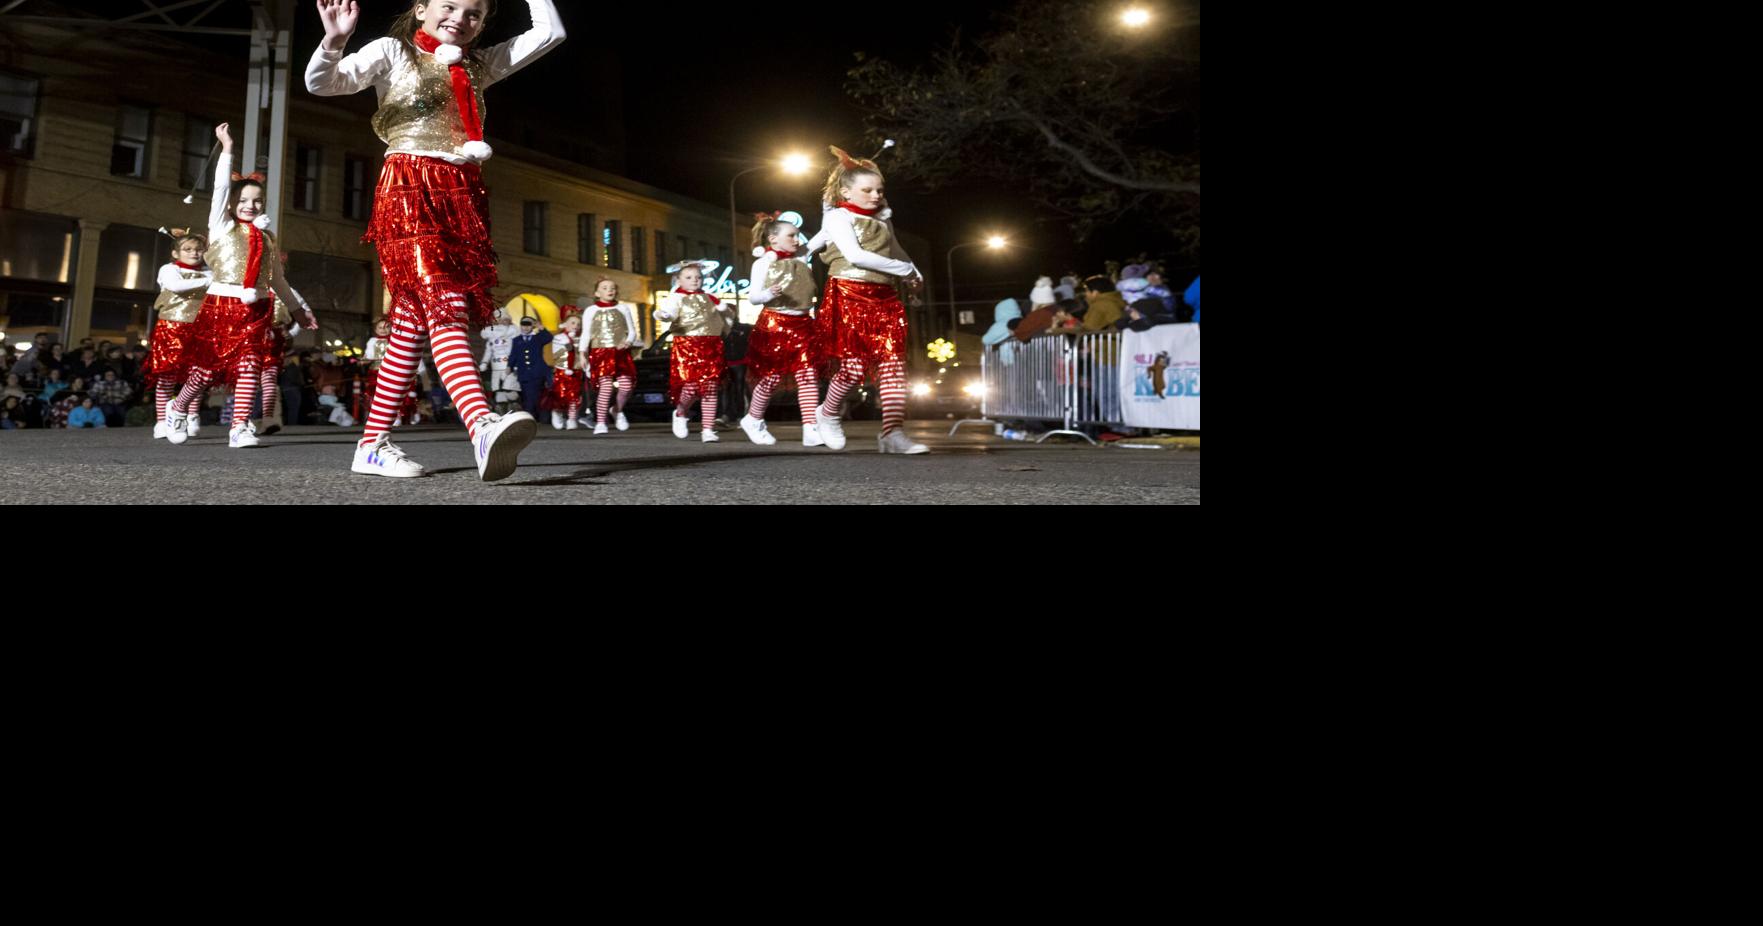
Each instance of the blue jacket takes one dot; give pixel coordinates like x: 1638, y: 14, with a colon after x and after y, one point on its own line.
x: 1192, y: 297
x: 1001, y: 317
x: 84, y: 417
x: 526, y: 355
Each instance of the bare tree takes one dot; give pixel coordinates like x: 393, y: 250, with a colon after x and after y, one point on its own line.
x: 1096, y: 120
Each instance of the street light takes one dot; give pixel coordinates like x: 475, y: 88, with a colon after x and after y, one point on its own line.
x: 1136, y: 17
x: 793, y: 164
x: 996, y: 243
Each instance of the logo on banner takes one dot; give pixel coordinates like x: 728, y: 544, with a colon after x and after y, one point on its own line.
x: 1156, y: 376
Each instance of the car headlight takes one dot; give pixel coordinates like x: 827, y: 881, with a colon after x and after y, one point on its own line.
x: 974, y: 389
x: 921, y: 390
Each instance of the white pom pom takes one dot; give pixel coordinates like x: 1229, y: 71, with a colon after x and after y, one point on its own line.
x: 262, y: 222
x: 449, y: 54
x: 758, y: 252
x: 478, y: 151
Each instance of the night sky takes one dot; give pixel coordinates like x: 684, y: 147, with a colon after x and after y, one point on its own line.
x: 684, y: 96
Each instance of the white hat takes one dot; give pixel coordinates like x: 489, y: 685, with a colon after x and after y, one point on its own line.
x: 1043, y: 292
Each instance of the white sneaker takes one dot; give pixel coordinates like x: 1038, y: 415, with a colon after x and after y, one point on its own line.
x: 682, y: 428
x: 600, y: 429
x: 499, y: 441
x: 711, y: 438
x: 556, y: 421
x: 161, y: 431
x: 193, y: 424
x: 623, y: 423
x: 573, y: 425
x: 832, y: 430
x: 756, y: 432
x: 811, y: 436
x: 177, y: 426
x: 398, y: 422
x: 242, y: 437
x: 384, y: 458
x: 896, y: 441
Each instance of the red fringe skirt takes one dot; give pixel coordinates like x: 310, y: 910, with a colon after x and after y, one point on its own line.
x: 227, y: 331
x: 431, y: 226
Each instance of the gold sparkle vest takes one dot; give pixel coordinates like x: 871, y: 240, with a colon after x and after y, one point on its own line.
x: 698, y: 317
x: 230, y: 254
x: 794, y: 284
x: 419, y: 112
x: 607, y: 328
x: 180, y: 307
x: 874, y: 236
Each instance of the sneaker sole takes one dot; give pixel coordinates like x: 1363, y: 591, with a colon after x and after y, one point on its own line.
x: 505, y: 453
x: 371, y: 471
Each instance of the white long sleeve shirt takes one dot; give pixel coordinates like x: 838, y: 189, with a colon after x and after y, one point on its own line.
x: 272, y: 278
x: 331, y: 73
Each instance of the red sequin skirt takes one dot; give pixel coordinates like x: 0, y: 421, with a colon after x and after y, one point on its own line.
x: 275, y: 349
x: 610, y: 363
x: 781, y: 344
x: 168, y: 353
x: 431, y: 226
x: 566, y: 389
x: 695, y: 360
x: 228, y: 331
x: 862, y: 321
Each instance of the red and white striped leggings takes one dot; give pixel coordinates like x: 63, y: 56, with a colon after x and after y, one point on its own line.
x: 688, y: 395
x: 891, y: 375
x: 245, y: 374
x: 807, y: 395
x: 603, y: 404
x: 452, y: 358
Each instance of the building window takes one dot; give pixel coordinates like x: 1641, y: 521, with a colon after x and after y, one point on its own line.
x: 723, y: 254
x: 587, y: 227
x: 638, y: 264
x: 18, y: 114
x: 334, y: 285
x: 615, y: 244
x: 685, y: 248
x: 128, y: 153
x: 535, y: 228
x: 660, y: 250
x: 356, y: 194
x: 703, y: 251
x: 129, y: 258
x: 197, y: 172
x: 308, y: 161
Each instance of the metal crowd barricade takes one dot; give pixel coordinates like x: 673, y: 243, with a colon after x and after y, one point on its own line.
x: 1069, y: 378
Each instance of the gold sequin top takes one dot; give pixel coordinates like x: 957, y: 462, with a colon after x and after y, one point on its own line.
x: 793, y: 282
x: 875, y: 236
x: 696, y: 315
x: 181, y: 307
x: 607, y: 327
x: 417, y: 111
x: 229, y: 256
